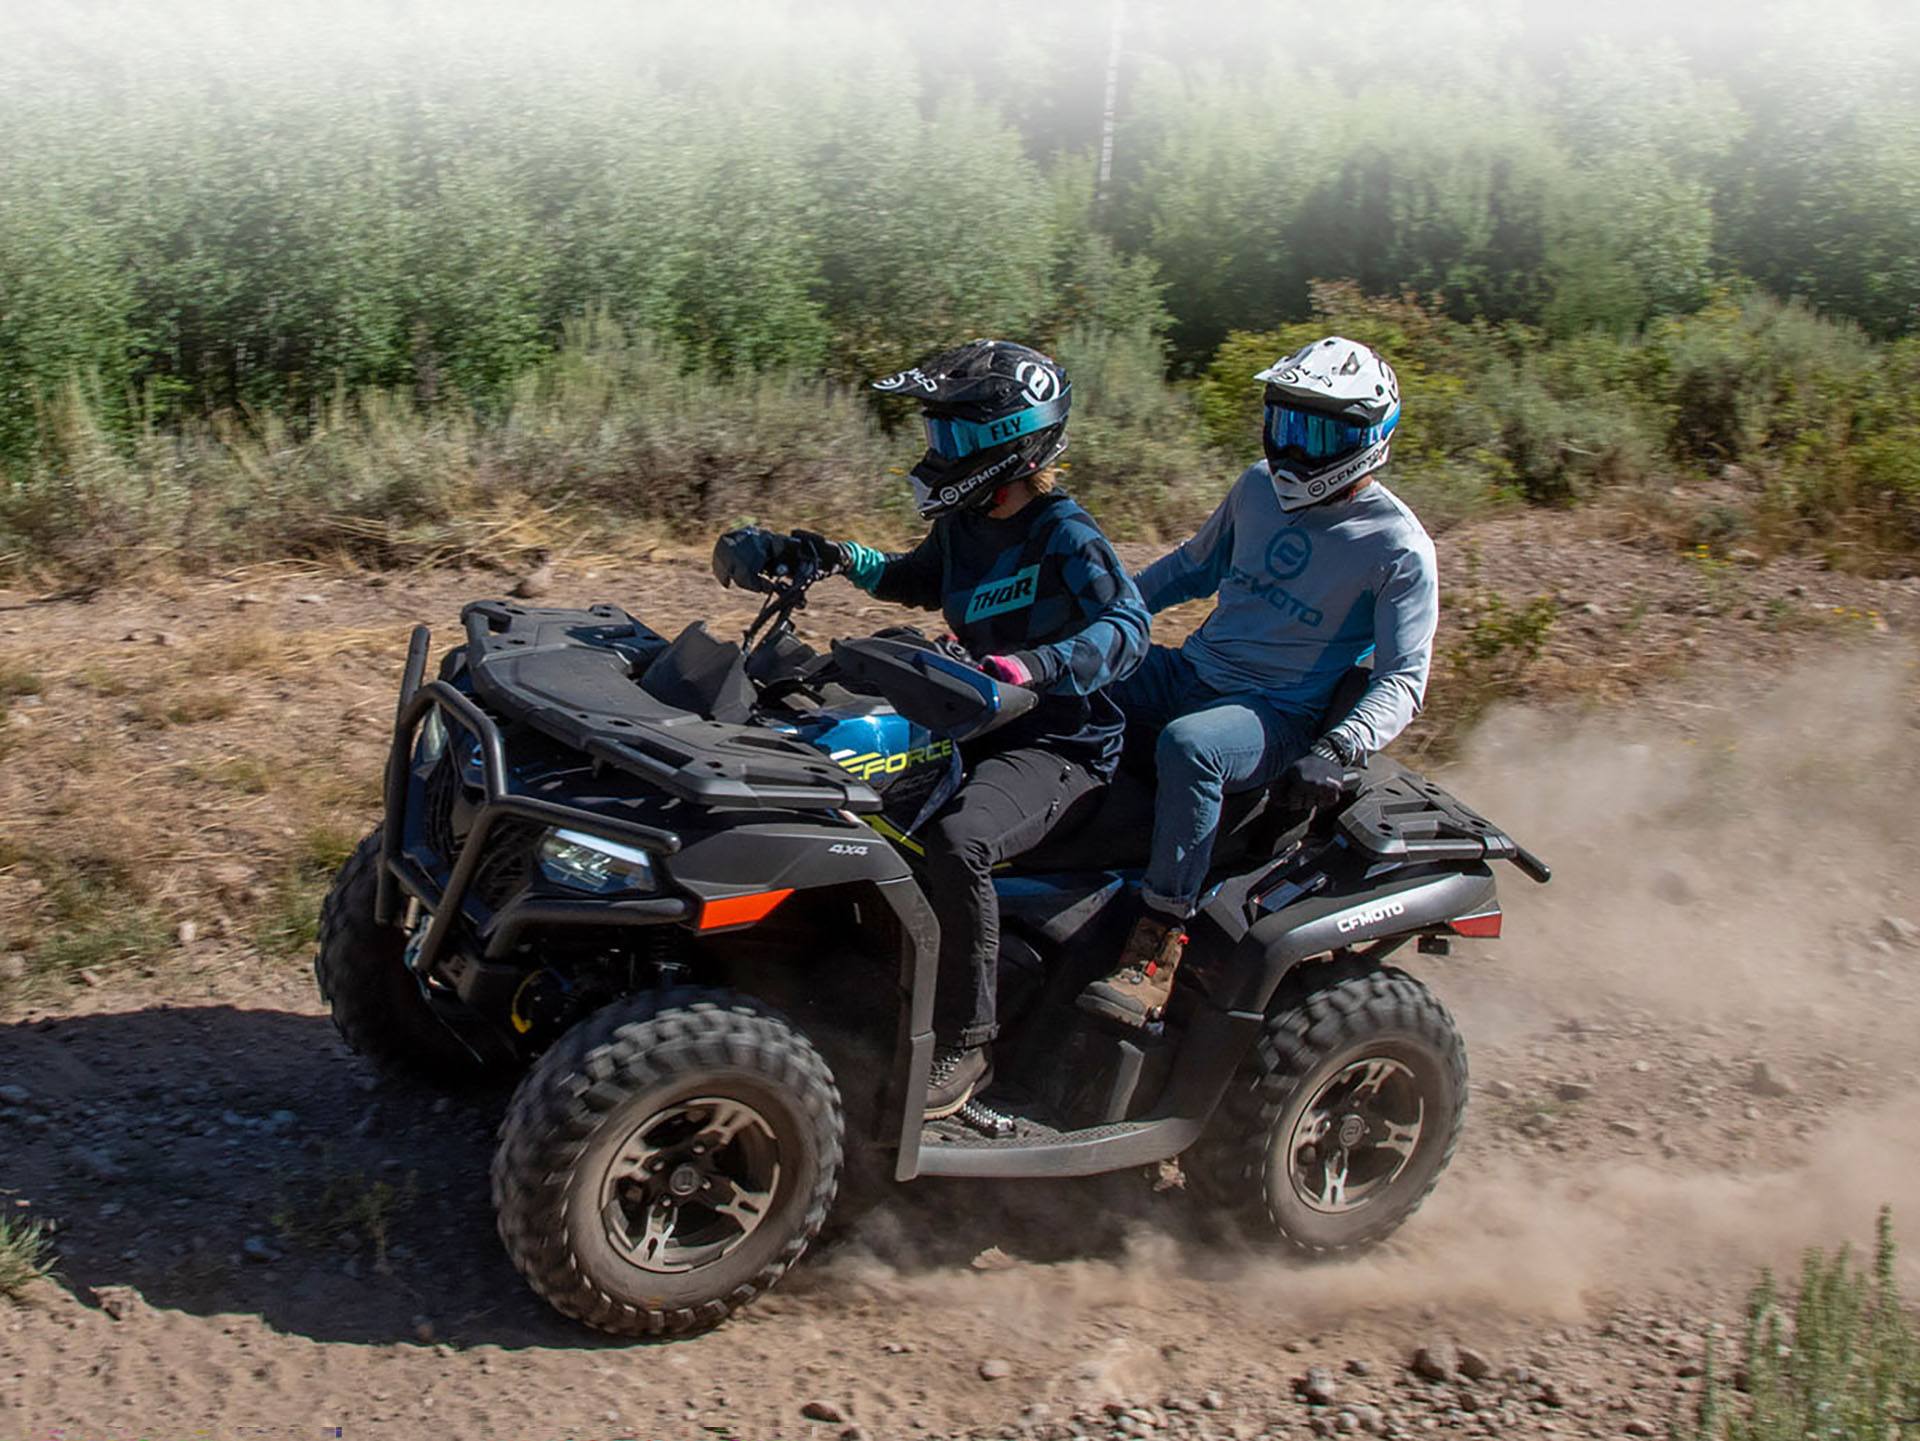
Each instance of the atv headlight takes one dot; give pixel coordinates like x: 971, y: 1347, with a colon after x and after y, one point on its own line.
x: 594, y: 863
x: 433, y: 737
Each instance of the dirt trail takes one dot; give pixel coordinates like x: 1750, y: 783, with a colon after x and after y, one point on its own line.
x: 1732, y: 858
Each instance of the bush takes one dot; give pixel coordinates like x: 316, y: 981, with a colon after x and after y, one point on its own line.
x: 1136, y: 457
x: 1846, y: 1366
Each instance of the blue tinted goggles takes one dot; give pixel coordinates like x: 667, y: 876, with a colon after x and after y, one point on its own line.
x: 1320, y: 437
x: 951, y: 439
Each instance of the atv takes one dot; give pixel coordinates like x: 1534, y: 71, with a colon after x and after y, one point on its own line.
x: 674, y: 888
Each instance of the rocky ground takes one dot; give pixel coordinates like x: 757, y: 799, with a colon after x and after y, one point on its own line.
x: 1692, y: 1055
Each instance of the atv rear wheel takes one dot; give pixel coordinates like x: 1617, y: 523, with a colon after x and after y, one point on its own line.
x: 667, y: 1161
x: 378, y: 1006
x: 1340, y: 1122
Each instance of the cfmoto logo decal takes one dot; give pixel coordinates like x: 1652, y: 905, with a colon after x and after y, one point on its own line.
x: 998, y: 596
x: 1369, y: 915
x: 1289, y: 553
x: 1039, y: 383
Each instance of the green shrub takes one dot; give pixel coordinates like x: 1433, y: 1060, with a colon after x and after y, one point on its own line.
x: 1135, y: 457
x: 1846, y: 1366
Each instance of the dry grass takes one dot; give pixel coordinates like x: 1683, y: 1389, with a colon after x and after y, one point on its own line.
x: 26, y: 1254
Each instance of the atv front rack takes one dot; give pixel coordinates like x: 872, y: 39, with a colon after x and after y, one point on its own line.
x: 400, y: 870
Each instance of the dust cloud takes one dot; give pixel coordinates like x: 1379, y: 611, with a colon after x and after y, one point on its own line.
x: 1722, y: 867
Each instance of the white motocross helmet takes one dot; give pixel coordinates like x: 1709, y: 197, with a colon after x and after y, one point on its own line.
x: 1331, y: 410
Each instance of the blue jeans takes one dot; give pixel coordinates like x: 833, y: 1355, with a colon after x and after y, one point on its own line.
x: 1208, y: 746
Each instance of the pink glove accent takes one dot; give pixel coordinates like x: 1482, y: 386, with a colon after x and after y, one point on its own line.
x: 1007, y: 668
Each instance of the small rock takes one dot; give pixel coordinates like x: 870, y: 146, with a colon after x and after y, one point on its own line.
x: 423, y: 1330
x: 258, y: 1250
x: 15, y: 1095
x: 89, y: 978
x: 1573, y: 1090
x: 1763, y: 1080
x: 536, y: 582
x: 13, y: 966
x: 1500, y: 1090
x: 1640, y: 1068
x: 823, y: 1411
x: 1357, y: 1367
x: 1317, y: 1387
x: 993, y: 1259
x: 166, y: 638
x: 1638, y: 1427
x: 1624, y: 1128
x: 1473, y: 1365
x: 1369, y: 1418
x: 120, y: 1302
x: 1900, y: 930
x: 995, y: 1368
x: 309, y: 599
x: 187, y: 932
x: 99, y: 1164
x: 1213, y: 1401
x: 249, y: 599
x: 1437, y: 1361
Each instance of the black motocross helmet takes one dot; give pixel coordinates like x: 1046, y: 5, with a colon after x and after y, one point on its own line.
x: 995, y: 412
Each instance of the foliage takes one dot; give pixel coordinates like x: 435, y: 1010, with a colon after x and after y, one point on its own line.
x: 310, y: 292
x: 1845, y: 1366
x: 26, y: 1254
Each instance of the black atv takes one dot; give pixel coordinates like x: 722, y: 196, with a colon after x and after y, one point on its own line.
x: 675, y: 885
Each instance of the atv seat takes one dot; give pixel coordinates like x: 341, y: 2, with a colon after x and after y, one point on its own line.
x: 1112, y: 828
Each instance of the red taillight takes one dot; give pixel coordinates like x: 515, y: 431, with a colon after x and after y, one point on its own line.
x: 1486, y: 927
x: 740, y: 910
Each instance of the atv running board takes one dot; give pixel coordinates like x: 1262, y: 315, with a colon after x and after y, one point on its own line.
x: 954, y: 1147
x: 1037, y: 1150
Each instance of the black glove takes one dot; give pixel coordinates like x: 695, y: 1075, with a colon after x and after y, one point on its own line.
x: 743, y: 557
x: 751, y: 556
x: 1314, y: 780
x: 829, y: 557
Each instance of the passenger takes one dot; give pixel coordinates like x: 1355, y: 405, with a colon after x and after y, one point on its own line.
x: 1315, y: 564
x: 1030, y: 586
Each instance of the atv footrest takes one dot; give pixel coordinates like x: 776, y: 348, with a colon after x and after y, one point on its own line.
x: 957, y: 1146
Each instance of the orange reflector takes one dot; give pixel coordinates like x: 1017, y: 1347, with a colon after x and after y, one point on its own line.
x: 1486, y: 927
x: 740, y: 910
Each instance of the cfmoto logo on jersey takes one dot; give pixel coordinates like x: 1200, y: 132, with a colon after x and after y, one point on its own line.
x: 1039, y: 383
x: 1288, y: 555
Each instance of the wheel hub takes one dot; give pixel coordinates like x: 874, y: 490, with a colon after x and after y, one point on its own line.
x: 689, y: 1184
x: 1355, y: 1135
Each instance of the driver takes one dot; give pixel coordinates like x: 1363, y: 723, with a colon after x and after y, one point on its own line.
x: 1030, y: 586
x: 1315, y: 565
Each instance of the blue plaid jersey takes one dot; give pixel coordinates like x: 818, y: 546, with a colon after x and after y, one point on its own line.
x: 1045, y: 586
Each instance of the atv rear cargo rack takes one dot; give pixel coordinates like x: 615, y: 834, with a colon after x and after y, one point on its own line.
x: 1401, y: 815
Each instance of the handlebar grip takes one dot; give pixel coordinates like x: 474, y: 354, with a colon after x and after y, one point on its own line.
x: 1531, y: 866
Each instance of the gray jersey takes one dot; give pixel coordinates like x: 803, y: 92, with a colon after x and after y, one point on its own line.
x: 1304, y: 595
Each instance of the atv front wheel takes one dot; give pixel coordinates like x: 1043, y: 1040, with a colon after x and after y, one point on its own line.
x: 377, y: 1003
x: 1343, y: 1117
x: 667, y: 1161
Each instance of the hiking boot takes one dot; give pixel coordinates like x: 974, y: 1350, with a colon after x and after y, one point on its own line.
x: 1137, y: 992
x: 958, y: 1071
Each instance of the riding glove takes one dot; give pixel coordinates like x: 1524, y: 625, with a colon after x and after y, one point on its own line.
x: 1314, y: 780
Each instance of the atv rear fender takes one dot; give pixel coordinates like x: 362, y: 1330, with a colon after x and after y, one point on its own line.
x: 1348, y: 912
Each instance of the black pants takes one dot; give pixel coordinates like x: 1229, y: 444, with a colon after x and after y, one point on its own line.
x: 1008, y: 805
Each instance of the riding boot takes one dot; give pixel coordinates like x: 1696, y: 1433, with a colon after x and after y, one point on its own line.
x: 1136, y: 993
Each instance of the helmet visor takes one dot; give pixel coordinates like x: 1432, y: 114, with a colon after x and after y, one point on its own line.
x: 1314, y: 436
x: 952, y: 439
